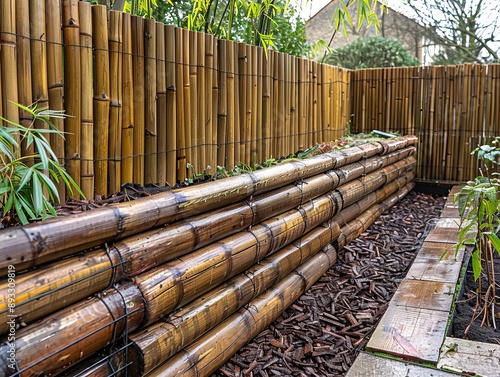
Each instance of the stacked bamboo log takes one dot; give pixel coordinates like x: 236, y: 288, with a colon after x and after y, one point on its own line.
x: 166, y: 274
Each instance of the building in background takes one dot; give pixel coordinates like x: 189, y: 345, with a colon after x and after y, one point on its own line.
x: 393, y: 25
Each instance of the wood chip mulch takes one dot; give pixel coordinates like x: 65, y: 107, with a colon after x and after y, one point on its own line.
x: 322, y: 333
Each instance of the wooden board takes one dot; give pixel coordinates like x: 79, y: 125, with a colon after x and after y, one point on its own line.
x: 369, y: 365
x: 411, y: 333
x: 470, y: 357
x: 448, y: 222
x: 439, y: 251
x: 446, y: 235
x: 435, y: 270
x: 423, y: 294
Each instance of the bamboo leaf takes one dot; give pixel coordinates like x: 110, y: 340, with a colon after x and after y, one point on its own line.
x: 476, y: 264
x: 37, y: 192
x: 495, y: 241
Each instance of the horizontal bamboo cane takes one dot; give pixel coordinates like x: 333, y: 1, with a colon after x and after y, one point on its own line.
x: 41, y: 242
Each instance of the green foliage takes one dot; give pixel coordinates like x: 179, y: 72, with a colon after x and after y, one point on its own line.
x: 372, y: 52
x: 23, y: 180
x: 268, y: 23
x: 479, y: 208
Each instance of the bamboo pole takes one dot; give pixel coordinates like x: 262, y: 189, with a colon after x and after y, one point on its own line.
x: 138, y: 65
x: 210, y: 104
x: 230, y: 141
x: 254, y: 112
x: 55, y: 82
x: 187, y: 90
x: 171, y: 87
x: 49, y: 346
x: 101, y: 98
x: 193, y: 101
x: 267, y: 88
x: 151, y: 132
x: 258, y: 100
x: 36, y: 243
x: 161, y: 105
x: 222, y: 110
x: 8, y: 61
x: 115, y: 110
x: 181, y: 123
x: 24, y: 68
x: 242, y: 129
x: 87, y: 119
x: 72, y: 90
x: 38, y: 57
x: 127, y: 131
x: 201, y: 136
x: 64, y: 283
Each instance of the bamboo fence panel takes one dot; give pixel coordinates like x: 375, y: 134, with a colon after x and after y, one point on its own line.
x: 231, y: 66
x: 150, y: 118
x: 115, y: 109
x: 55, y: 81
x: 138, y: 64
x: 239, y: 109
x: 8, y: 64
x: 161, y: 105
x: 127, y: 126
x: 201, y: 136
x: 87, y: 122
x: 72, y: 88
x: 171, y: 121
x: 180, y: 121
x: 288, y: 134
x: 266, y: 108
x: 24, y: 67
x: 101, y: 98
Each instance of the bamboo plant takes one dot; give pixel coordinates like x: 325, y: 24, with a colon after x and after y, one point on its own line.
x: 24, y: 180
x: 479, y: 207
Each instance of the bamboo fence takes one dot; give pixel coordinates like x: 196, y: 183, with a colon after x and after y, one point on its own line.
x: 154, y: 104
x: 160, y: 293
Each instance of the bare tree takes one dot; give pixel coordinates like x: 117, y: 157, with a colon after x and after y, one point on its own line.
x: 462, y: 30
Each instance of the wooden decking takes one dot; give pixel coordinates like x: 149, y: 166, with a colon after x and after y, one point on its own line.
x: 415, y: 324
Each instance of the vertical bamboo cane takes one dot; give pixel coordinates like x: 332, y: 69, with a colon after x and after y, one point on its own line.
x: 170, y: 49
x: 101, y: 98
x: 139, y: 110
x: 222, y: 112
x: 211, y: 102
x: 238, y: 109
x: 127, y: 147
x: 266, y: 107
x: 230, y: 131
x: 293, y: 103
x: 259, y: 61
x: 255, y: 123
x: 150, y: 168
x: 39, y: 57
x: 161, y: 109
x: 55, y: 80
x: 8, y: 63
x: 180, y: 122
x: 201, y: 141
x: 242, y: 128
x: 72, y: 82
x: 301, y: 104
x: 115, y: 111
x: 193, y: 100
x: 87, y: 125
x: 24, y: 67
x: 310, y: 104
x: 186, y: 88
x: 288, y: 139
x: 323, y: 97
x: 281, y: 117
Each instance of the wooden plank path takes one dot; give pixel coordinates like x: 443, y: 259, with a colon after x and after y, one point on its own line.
x: 415, y: 323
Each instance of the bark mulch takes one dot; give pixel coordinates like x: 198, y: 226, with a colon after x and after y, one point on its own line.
x: 322, y: 333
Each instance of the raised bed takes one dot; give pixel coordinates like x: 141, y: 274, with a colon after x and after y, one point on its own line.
x: 181, y: 280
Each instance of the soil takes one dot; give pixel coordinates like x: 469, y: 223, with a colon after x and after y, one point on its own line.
x: 464, y: 311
